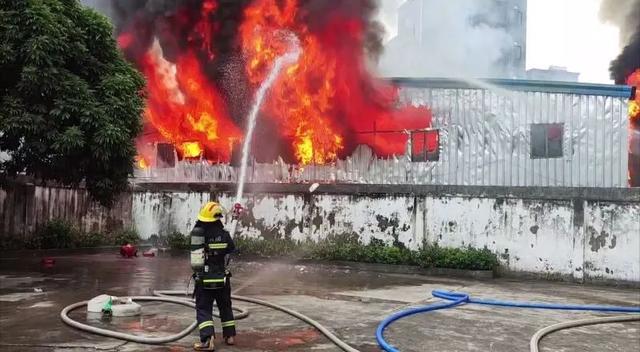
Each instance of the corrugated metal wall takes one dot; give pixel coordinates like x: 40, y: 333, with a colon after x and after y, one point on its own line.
x: 24, y: 208
x: 485, y: 132
x: 486, y: 138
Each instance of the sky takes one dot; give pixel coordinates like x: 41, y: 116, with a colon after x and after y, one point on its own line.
x: 565, y: 33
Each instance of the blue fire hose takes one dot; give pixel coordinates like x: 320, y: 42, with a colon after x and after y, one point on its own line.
x: 457, y: 298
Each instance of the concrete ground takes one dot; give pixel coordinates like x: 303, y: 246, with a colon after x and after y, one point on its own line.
x: 351, y: 302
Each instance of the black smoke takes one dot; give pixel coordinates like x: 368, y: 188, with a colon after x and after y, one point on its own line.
x: 628, y: 61
x: 626, y: 15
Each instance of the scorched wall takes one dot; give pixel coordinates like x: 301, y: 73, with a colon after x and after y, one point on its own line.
x: 577, y: 233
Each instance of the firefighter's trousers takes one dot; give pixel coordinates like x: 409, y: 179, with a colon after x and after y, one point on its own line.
x: 204, y: 310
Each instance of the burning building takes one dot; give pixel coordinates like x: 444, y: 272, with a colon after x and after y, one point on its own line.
x: 328, y: 118
x: 204, y: 60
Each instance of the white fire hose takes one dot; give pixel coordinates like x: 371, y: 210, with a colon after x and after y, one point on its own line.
x: 165, y: 296
x: 535, y: 339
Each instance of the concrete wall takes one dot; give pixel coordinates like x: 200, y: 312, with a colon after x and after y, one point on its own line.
x: 26, y: 207
x: 582, y: 234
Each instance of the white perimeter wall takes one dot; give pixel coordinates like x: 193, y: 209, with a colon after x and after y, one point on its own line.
x: 579, y: 239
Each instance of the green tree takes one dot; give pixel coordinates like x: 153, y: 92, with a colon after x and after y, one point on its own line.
x: 70, y: 105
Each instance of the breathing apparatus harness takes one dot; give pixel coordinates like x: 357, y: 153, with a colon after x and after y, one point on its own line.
x: 209, y: 276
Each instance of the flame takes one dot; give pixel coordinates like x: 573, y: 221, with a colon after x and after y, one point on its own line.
x: 634, y: 132
x: 141, y: 162
x: 184, y: 106
x: 125, y: 40
x: 328, y: 94
x: 301, y: 109
x: 324, y: 105
x: 634, y: 105
x: 191, y: 149
x: 205, y: 28
x: 634, y: 110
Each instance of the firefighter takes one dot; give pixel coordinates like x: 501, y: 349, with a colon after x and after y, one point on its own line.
x: 211, y: 245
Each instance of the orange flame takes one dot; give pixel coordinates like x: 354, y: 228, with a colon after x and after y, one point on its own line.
x: 634, y: 110
x: 324, y: 105
x: 634, y: 137
x: 634, y: 105
x: 191, y: 149
x: 184, y: 106
x: 329, y: 93
x: 300, y: 97
x: 141, y: 162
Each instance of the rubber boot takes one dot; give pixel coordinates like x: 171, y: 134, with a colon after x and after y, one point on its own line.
x: 205, y: 346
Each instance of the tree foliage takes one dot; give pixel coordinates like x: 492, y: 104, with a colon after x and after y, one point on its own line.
x: 70, y: 105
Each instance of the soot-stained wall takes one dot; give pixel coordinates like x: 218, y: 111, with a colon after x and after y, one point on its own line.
x: 576, y: 233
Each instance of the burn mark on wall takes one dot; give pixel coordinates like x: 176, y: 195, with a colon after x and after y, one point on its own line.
x: 588, y: 266
x: 317, y: 220
x: 578, y: 213
x: 288, y: 228
x: 599, y: 240
x: 384, y: 223
x: 332, y: 219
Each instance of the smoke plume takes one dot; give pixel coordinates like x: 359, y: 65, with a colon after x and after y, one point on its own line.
x: 453, y: 38
x: 626, y: 15
x: 625, y: 69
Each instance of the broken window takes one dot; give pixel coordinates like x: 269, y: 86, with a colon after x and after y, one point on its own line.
x: 546, y: 140
x: 425, y: 146
x: 165, y: 155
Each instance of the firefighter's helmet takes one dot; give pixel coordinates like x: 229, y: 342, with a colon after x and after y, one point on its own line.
x: 210, y: 212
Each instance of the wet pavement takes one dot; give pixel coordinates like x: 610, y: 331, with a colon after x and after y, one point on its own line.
x: 349, y: 301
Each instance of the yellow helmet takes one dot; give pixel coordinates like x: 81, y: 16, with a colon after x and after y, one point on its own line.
x: 210, y: 212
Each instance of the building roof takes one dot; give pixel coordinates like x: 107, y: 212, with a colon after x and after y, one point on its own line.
x: 517, y: 85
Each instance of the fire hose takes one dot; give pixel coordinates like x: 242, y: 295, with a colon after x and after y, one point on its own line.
x: 165, y: 296
x: 535, y: 339
x: 452, y: 299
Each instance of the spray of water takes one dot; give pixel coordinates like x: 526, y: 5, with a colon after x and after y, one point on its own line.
x: 488, y: 86
x: 284, y: 60
x: 281, y: 62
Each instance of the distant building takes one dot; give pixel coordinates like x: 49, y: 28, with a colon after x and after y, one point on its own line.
x: 439, y: 38
x: 101, y: 6
x: 553, y: 73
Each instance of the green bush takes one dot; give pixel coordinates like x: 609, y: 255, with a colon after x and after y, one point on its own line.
x: 12, y: 243
x: 90, y: 239
x: 268, y: 248
x: 56, y: 233
x: 375, y: 252
x: 156, y: 241
x: 429, y: 256
x: 126, y: 236
x: 177, y: 240
x: 60, y: 234
x: 457, y: 258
